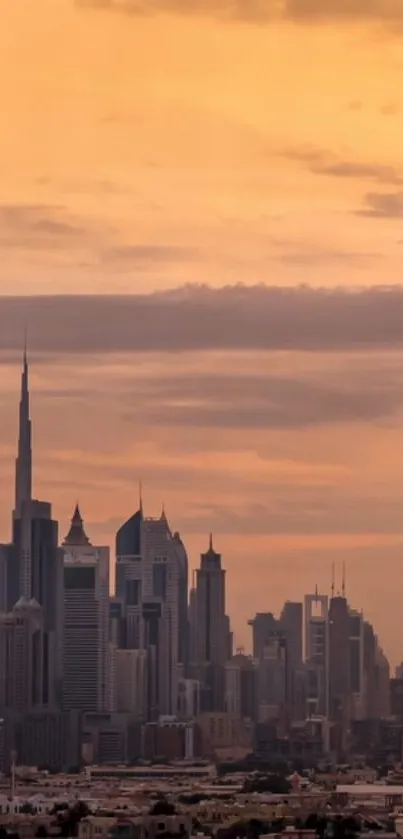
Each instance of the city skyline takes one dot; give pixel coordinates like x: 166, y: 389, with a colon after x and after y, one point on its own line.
x: 255, y: 153
x: 25, y: 501
x: 143, y: 648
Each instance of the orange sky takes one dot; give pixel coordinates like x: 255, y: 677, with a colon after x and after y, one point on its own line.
x: 142, y: 152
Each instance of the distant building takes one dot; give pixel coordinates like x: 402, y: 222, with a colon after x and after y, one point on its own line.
x: 128, y: 577
x: 263, y: 625
x: 210, y: 627
x: 241, y: 686
x: 316, y: 608
x: 86, y: 622
x: 21, y: 657
x: 131, y: 682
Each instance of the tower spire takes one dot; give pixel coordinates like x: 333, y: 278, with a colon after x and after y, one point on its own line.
x: 23, y: 466
x: 343, y: 581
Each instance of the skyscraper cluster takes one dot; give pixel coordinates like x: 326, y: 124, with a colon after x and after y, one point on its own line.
x: 89, y: 676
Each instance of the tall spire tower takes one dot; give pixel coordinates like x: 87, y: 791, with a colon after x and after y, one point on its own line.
x: 23, y: 465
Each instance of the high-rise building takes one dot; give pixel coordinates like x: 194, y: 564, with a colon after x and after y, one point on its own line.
x: 272, y: 680
x: 290, y: 625
x: 183, y: 617
x: 21, y: 657
x: 210, y: 626
x: 211, y: 619
x: 263, y: 625
x: 128, y: 576
x: 339, y: 660
x: 161, y: 565
x: 188, y: 698
x: 356, y: 656
x: 46, y: 587
x: 317, y: 653
x: 34, y: 561
x: 86, y: 674
x: 5, y: 559
x: 241, y: 686
x: 131, y: 682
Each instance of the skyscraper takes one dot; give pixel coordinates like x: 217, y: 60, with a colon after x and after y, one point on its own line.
x: 21, y: 657
x: 339, y: 660
x: 317, y: 653
x: 183, y: 616
x: 23, y: 465
x: 34, y: 561
x: 263, y: 625
x: 86, y: 673
x: 290, y: 622
x: 19, y: 583
x: 210, y: 626
x: 128, y: 576
x: 160, y: 595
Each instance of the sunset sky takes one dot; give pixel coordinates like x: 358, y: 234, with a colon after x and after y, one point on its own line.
x: 228, y: 171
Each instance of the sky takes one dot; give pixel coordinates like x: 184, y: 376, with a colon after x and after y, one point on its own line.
x: 201, y: 206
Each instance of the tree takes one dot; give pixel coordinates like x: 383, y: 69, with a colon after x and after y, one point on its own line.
x: 162, y: 807
x: 275, y: 784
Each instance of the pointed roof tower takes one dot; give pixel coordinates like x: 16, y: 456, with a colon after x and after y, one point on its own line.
x: 23, y: 465
x: 211, y: 558
x: 76, y: 536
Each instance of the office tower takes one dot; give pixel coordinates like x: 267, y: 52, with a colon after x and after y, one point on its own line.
x: 19, y: 570
x: 356, y: 656
x: 211, y: 619
x: 370, y: 647
x: 241, y: 686
x: 46, y: 587
x: 48, y: 738
x: 86, y: 676
x: 4, y: 561
x: 339, y: 660
x: 131, y: 682
x: 229, y: 638
x: 211, y: 626
x: 192, y: 618
x: 290, y: 625
x: 128, y: 576
x: 161, y: 567
x: 272, y: 680
x: 382, y: 679
x: 21, y: 657
x: 316, y: 608
x: 117, y: 623
x: 188, y: 698
x: 263, y: 625
x: 34, y: 561
x: 183, y: 617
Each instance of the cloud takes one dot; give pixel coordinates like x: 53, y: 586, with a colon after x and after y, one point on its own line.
x: 254, y: 10
x: 262, y: 401
x: 202, y: 318
x: 324, y: 256
x: 383, y: 205
x: 34, y: 226
x: 350, y: 169
x: 387, y: 10
x: 322, y: 162
x: 258, y: 10
x: 129, y: 255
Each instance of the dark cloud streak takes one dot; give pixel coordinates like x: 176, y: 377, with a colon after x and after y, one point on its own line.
x: 258, y: 11
x: 201, y: 318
